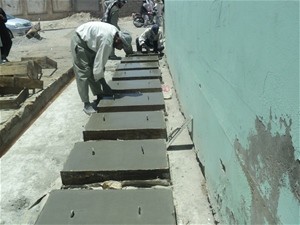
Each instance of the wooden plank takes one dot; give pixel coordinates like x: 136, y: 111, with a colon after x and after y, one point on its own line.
x: 23, y: 68
x: 20, y: 82
x: 14, y: 103
x: 44, y: 62
x: 10, y: 90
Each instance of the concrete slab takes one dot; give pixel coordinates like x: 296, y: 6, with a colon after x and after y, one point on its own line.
x: 138, y: 66
x: 131, y: 86
x: 133, y: 102
x: 126, y: 126
x: 98, y: 161
x: 137, y: 74
x: 141, y: 206
x: 152, y: 58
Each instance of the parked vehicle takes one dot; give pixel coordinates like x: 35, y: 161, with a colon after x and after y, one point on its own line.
x: 139, y: 21
x: 17, y: 26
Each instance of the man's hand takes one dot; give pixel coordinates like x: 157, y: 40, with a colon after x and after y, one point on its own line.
x: 146, y: 47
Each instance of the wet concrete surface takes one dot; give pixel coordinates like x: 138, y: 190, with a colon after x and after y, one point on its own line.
x: 143, y: 206
x: 132, y: 86
x: 125, y: 126
x: 137, y: 74
x: 138, y: 66
x: 135, y: 59
x: 133, y: 102
x: 98, y: 161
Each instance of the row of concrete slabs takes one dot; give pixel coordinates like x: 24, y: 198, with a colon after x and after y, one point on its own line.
x: 125, y: 140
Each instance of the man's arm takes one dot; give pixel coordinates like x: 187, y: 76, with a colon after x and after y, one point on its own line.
x: 100, y: 61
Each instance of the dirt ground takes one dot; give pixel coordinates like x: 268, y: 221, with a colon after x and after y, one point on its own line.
x: 188, y: 184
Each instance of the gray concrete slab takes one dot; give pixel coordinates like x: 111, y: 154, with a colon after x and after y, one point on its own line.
x: 143, y: 206
x: 133, y: 102
x: 130, y: 86
x: 152, y: 58
x: 138, y: 66
x: 125, y: 126
x: 137, y: 74
x: 98, y: 161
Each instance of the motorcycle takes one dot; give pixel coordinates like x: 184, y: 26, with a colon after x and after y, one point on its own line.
x: 139, y: 21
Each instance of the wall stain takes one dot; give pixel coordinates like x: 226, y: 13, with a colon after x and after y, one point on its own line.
x: 269, y: 158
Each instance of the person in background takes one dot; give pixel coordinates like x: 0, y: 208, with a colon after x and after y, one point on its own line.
x: 159, y: 12
x: 111, y: 16
x: 146, y: 8
x: 151, y: 38
x: 91, y: 46
x: 5, y: 37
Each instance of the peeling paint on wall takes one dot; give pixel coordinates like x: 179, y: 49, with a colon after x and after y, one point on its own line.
x: 269, y: 165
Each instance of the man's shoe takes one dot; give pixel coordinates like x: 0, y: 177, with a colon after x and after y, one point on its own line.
x: 94, y: 104
x: 88, y: 109
x: 114, y: 57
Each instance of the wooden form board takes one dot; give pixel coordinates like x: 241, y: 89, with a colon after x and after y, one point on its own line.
x: 20, y: 82
x: 14, y: 101
x: 44, y: 62
x: 29, y: 69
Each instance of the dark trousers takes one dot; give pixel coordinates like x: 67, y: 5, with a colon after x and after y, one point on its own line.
x: 153, y: 46
x: 6, y: 43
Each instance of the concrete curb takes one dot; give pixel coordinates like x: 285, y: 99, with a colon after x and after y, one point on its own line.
x: 19, y: 122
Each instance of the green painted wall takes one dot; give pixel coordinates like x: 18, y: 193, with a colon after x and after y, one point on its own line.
x: 235, y: 65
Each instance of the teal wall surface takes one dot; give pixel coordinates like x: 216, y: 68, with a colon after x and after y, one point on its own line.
x: 235, y: 65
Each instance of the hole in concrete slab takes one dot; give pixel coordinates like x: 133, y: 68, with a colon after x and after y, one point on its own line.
x: 72, y: 214
x: 142, y: 150
x: 223, y: 166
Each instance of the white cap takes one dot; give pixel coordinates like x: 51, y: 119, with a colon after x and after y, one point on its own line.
x: 126, y: 40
